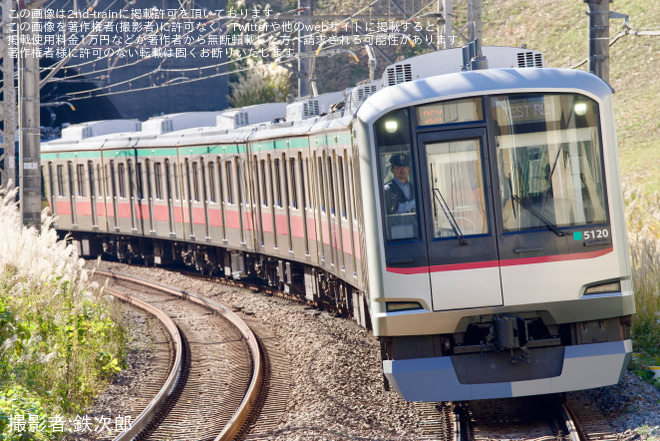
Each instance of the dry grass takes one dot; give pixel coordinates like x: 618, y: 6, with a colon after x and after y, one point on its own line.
x: 58, y: 340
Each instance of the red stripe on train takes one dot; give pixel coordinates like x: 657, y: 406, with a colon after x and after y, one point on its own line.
x: 495, y: 263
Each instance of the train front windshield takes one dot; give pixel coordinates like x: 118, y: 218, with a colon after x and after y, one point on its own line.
x: 548, y: 161
x: 482, y: 169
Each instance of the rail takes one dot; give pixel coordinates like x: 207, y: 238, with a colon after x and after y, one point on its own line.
x: 244, y: 410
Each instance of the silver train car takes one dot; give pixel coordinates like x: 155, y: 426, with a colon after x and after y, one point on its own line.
x: 473, y: 219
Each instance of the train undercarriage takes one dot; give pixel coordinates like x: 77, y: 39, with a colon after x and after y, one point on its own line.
x: 293, y: 280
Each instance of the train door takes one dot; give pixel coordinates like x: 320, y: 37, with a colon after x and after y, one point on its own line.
x: 455, y: 210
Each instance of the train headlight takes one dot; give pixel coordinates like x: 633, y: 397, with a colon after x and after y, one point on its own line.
x: 603, y: 288
x: 391, y: 126
x: 402, y: 306
x: 580, y: 109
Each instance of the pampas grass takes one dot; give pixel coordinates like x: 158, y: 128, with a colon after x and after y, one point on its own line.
x: 643, y: 224
x: 58, y: 338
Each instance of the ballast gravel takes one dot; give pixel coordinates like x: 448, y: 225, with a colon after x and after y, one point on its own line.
x: 336, y: 388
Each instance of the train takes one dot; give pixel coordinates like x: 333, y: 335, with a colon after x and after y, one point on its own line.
x: 472, y: 217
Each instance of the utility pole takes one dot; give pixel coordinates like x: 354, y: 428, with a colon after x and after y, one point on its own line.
x: 28, y: 114
x: 305, y: 8
x: 599, y: 38
x: 474, y: 20
x: 8, y: 106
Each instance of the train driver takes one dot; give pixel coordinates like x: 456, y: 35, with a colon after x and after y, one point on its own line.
x: 399, y: 192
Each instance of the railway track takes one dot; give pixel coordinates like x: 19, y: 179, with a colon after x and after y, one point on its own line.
x: 541, y: 418
x: 219, y: 376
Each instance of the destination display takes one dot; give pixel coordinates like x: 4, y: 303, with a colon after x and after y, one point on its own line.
x: 450, y: 112
x: 528, y: 110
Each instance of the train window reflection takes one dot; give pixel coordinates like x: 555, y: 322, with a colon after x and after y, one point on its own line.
x: 456, y: 188
x: 549, y: 161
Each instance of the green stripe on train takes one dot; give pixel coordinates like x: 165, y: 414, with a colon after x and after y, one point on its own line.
x: 231, y: 149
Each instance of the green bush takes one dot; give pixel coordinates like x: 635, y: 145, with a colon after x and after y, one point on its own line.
x: 59, y: 341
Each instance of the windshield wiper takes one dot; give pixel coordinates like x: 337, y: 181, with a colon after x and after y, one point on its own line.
x: 528, y: 207
x: 450, y: 217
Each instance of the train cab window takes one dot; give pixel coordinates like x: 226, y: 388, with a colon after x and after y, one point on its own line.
x: 61, y: 183
x: 398, y: 176
x: 550, y: 162
x: 80, y: 174
x: 158, y: 179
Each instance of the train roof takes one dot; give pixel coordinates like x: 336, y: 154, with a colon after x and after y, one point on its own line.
x: 479, y: 82
x: 410, y: 78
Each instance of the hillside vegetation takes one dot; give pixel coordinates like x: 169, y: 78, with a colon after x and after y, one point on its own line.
x: 560, y: 30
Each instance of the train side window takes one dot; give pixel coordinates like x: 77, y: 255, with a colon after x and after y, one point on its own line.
x: 195, y: 183
x: 342, y: 186
x: 131, y: 183
x: 158, y: 179
x: 321, y: 185
x: 90, y: 170
x: 211, y: 167
x: 294, y: 189
x: 107, y: 180
x: 50, y: 179
x: 303, y: 187
x: 112, y: 179
x: 61, y: 184
x: 148, y: 176
x: 186, y: 175
x: 230, y: 186
x: 69, y: 167
x: 121, y: 177
x: 353, y: 187
x: 99, y: 179
x: 202, y: 172
x: 140, y: 190
x: 176, y: 181
x: 264, y: 187
x: 80, y: 174
x: 239, y: 180
x: 397, y: 176
x: 331, y: 184
x: 278, y: 183
x: 220, y: 182
x: 310, y: 198
x: 44, y: 192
